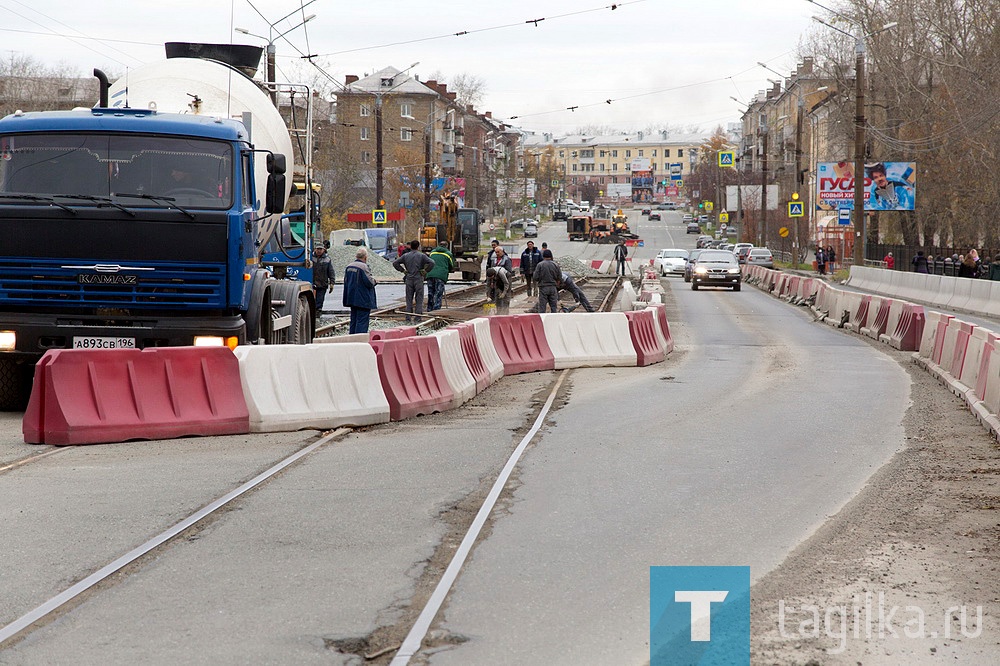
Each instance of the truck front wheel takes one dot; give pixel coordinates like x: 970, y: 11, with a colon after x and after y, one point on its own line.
x: 15, y: 385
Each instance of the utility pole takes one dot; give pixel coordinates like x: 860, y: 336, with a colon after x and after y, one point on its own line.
x: 861, y: 239
x: 798, y: 172
x: 763, y: 186
x: 427, y: 173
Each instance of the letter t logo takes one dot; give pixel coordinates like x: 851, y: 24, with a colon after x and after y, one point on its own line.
x: 701, y: 610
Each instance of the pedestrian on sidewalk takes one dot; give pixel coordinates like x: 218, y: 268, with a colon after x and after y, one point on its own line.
x: 359, y: 291
x: 920, y: 262
x: 821, y: 261
x: 415, y: 266
x: 324, y: 277
x: 890, y: 262
x: 547, y: 276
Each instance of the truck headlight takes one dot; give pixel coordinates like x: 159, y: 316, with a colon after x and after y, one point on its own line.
x: 209, y: 341
x: 8, y: 340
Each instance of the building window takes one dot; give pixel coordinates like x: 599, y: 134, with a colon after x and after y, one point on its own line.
x: 666, y: 152
x: 366, y: 110
x: 574, y: 167
x: 405, y: 134
x: 614, y: 153
x: 628, y: 153
x: 562, y: 153
x: 406, y: 109
x: 640, y: 153
x: 601, y: 181
x: 614, y: 167
x: 366, y: 133
x: 654, y: 152
x: 366, y: 157
x: 602, y: 166
x: 680, y: 153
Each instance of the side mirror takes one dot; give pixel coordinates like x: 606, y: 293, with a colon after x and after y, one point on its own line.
x: 275, y: 163
x: 274, y: 199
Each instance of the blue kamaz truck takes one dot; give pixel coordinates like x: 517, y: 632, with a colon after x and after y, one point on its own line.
x: 130, y: 226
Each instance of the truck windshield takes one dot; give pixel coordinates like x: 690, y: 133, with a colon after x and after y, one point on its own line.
x: 193, y: 173
x: 376, y: 242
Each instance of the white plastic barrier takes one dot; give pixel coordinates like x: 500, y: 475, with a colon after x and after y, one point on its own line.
x: 291, y: 387
x: 895, y: 311
x: 665, y: 336
x: 993, y: 307
x: 944, y: 293
x: 992, y: 398
x: 973, y: 355
x: 456, y: 371
x: 979, y: 296
x: 873, y: 307
x: 849, y: 301
x: 579, y: 340
x: 487, y: 351
x: 356, y: 337
x: 950, y: 338
x: 628, y: 296
x: 929, y: 336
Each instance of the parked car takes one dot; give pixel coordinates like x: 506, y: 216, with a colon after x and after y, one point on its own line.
x: 531, y: 229
x: 519, y: 224
x: 716, y: 268
x: 671, y: 261
x: 693, y: 227
x: 692, y: 259
x: 703, y: 219
x: 703, y: 241
x: 740, y: 250
x: 760, y: 256
x: 655, y: 216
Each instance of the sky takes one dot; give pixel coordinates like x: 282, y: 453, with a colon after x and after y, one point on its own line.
x: 661, y: 63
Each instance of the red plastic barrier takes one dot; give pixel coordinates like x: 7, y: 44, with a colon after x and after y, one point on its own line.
x: 521, y: 344
x: 910, y: 328
x: 412, y: 376
x: 961, y: 347
x: 939, y: 335
x: 392, y: 333
x: 83, y: 396
x: 661, y: 315
x: 860, y: 317
x: 642, y: 330
x: 881, y: 319
x: 473, y: 359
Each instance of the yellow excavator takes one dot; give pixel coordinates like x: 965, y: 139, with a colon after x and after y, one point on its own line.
x: 458, y: 230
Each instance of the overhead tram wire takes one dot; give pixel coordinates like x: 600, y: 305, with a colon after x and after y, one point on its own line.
x: 73, y: 38
x: 463, y: 33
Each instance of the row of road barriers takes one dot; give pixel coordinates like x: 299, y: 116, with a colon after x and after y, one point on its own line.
x: 90, y: 396
x: 963, y: 356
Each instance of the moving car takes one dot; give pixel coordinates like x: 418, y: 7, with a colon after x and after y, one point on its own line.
x: 644, y: 211
x: 654, y: 216
x: 692, y: 259
x: 519, y: 224
x: 716, y: 268
x: 740, y: 250
x: 530, y: 229
x: 703, y: 241
x: 671, y: 261
x: 760, y: 256
x: 687, y: 217
x: 693, y: 227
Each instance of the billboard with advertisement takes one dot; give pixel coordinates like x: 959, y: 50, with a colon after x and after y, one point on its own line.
x: 888, y: 185
x: 642, y: 180
x: 619, y: 190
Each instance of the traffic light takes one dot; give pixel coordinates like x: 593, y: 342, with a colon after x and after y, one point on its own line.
x: 663, y: 182
x: 533, y: 204
x: 701, y: 204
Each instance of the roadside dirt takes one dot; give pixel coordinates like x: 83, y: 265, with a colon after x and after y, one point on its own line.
x: 885, y: 581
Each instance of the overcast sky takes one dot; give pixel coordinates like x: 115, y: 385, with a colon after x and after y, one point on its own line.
x: 661, y: 62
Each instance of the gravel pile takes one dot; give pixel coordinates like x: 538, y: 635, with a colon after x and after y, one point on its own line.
x: 575, y: 266
x: 341, y: 255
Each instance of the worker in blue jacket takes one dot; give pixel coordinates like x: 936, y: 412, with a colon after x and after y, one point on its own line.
x: 359, y: 291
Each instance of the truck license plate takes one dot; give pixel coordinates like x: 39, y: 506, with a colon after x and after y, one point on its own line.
x: 103, y: 343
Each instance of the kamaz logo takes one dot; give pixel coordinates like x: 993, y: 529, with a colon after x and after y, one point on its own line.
x: 106, y: 279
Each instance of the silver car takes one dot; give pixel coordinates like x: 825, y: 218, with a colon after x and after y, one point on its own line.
x: 760, y: 256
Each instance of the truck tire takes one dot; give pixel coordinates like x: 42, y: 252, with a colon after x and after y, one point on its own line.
x: 302, y: 328
x: 15, y: 385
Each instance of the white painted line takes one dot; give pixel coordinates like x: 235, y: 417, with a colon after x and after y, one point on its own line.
x: 416, y: 636
x: 55, y: 602
x: 25, y: 461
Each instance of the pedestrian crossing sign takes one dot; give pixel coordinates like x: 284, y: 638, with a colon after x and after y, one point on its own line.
x: 796, y: 209
x: 726, y: 158
x: 378, y: 216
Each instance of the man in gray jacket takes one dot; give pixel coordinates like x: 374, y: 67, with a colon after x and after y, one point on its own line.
x: 547, y: 277
x: 415, y: 265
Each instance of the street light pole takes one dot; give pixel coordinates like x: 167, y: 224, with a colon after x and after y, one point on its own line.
x: 763, y: 184
x: 271, y: 49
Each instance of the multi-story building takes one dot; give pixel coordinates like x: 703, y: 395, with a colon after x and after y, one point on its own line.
x: 596, y: 164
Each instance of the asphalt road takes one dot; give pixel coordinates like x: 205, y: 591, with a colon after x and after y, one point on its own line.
x: 760, y: 426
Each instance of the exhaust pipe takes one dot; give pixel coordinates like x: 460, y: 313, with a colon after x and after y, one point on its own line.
x: 102, y: 78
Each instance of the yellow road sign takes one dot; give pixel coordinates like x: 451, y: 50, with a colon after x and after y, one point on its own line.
x: 783, y: 232
x: 723, y: 217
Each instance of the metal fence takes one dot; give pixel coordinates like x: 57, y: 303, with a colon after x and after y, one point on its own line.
x: 940, y: 259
